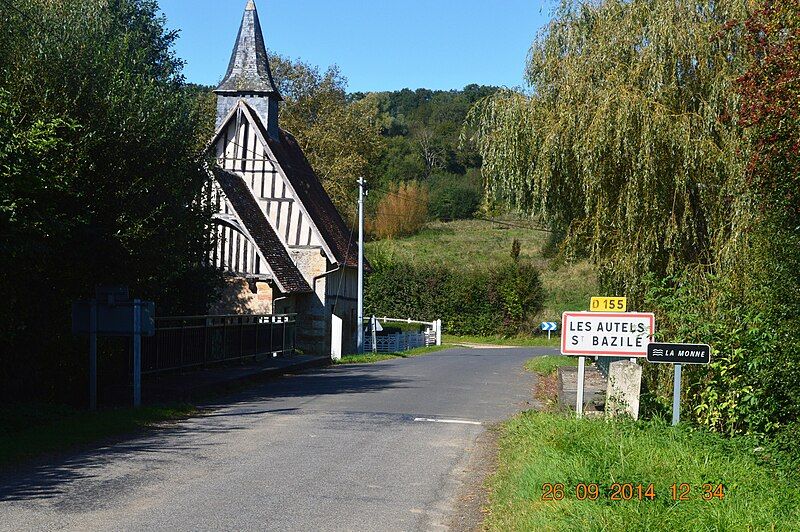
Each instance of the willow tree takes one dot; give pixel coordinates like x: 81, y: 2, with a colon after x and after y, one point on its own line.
x: 625, y: 142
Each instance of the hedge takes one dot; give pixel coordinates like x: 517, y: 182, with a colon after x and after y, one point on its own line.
x: 482, y: 302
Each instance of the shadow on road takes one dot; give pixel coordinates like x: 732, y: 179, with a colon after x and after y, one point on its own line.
x: 49, y: 478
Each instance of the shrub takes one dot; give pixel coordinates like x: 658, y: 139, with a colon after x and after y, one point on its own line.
x: 454, y: 197
x: 403, y: 211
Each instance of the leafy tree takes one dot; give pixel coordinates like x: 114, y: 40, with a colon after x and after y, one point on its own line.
x: 100, y: 172
x: 770, y: 92
x: 662, y: 138
x: 340, y: 137
x: 402, y: 211
x: 422, y: 130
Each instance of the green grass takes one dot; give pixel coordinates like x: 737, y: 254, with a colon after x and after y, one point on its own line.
x: 538, y: 448
x: 30, y: 431
x: 522, y: 341
x: 547, y: 365
x: 478, y: 244
x: 368, y: 358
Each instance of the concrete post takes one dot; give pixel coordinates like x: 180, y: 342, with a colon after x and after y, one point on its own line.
x: 624, y: 387
x: 360, y: 306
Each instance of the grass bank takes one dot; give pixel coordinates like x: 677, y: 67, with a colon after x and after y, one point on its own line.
x: 368, y: 358
x: 31, y: 431
x: 547, y: 365
x: 537, y: 449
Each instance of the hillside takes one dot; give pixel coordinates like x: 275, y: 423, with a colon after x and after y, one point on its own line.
x: 478, y: 244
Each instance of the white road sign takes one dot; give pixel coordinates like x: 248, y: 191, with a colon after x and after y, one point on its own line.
x: 624, y: 334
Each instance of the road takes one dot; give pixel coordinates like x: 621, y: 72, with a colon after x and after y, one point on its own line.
x: 341, y: 448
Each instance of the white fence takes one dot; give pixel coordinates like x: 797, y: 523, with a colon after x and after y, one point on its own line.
x: 402, y: 341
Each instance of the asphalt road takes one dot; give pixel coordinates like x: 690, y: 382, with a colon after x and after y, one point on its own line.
x: 339, y: 448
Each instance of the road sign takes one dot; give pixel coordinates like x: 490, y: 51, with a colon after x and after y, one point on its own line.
x: 549, y: 326
x: 608, y: 304
x: 113, y: 314
x: 113, y: 320
x: 624, y: 334
x: 679, y: 353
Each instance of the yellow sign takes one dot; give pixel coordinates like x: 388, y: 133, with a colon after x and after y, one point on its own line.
x: 608, y: 304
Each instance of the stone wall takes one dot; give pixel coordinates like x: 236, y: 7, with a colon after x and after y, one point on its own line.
x: 238, y: 298
x: 313, y: 322
x: 313, y: 310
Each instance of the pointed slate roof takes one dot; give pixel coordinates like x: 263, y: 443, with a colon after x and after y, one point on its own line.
x: 284, y: 272
x: 248, y: 70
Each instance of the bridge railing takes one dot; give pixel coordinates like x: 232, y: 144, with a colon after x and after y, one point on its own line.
x: 191, y: 341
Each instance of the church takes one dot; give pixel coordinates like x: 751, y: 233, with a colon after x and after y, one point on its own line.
x: 279, y: 239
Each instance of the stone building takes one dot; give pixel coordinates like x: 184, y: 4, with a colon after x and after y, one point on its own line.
x: 280, y: 240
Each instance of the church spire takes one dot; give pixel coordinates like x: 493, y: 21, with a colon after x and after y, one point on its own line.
x: 248, y: 70
x: 249, y: 76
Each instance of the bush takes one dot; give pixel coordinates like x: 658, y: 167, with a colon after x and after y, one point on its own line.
x: 481, y: 302
x: 455, y: 197
x: 403, y: 211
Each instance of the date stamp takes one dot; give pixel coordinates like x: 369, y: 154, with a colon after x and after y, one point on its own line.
x: 627, y: 491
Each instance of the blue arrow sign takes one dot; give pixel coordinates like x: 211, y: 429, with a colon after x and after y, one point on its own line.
x: 549, y: 326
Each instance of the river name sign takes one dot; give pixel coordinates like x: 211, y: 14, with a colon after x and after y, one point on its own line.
x: 678, y: 353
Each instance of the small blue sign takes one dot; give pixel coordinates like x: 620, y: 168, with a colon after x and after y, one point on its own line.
x: 549, y: 326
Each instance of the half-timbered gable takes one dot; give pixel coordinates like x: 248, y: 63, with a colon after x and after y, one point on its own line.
x: 248, y: 245
x: 278, y: 235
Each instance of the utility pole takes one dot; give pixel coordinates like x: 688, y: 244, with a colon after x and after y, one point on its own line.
x: 360, y: 320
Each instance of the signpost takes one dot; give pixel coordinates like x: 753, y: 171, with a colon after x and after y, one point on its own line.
x: 112, y: 313
x: 604, y: 334
x: 678, y: 354
x: 549, y: 326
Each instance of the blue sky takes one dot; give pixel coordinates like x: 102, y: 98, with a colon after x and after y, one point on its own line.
x: 378, y: 44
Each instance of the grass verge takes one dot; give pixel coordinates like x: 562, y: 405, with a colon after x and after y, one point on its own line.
x: 521, y: 341
x: 368, y: 358
x: 30, y: 431
x: 538, y: 448
x: 548, y: 364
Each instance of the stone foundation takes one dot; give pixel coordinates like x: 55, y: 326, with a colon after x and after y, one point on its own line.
x: 239, y: 298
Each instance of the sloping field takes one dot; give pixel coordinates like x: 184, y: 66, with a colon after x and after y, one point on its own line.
x: 479, y: 244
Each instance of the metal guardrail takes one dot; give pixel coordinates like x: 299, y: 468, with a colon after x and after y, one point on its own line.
x: 393, y: 343
x: 190, y: 341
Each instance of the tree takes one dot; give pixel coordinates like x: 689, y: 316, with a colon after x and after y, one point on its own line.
x: 626, y: 142
x: 100, y: 172
x: 770, y: 91
x: 341, y: 138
